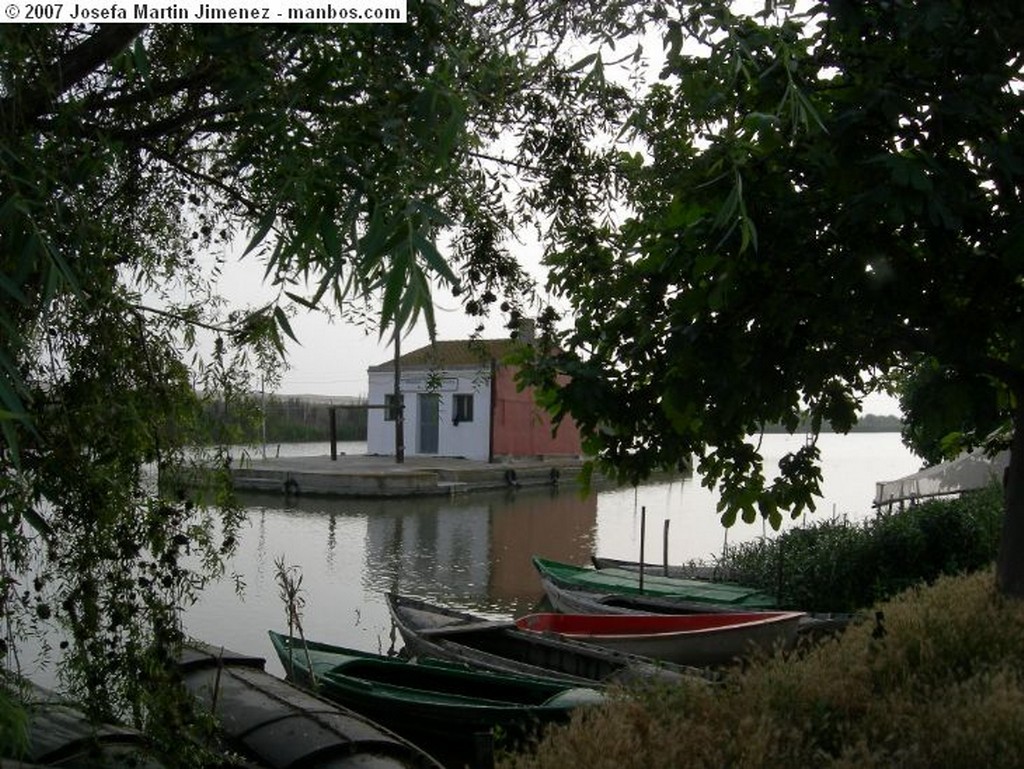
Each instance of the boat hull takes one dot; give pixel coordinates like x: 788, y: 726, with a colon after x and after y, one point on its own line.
x: 690, y: 639
x: 280, y: 725
x: 568, y: 601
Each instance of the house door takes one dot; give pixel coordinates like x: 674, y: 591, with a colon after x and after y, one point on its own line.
x: 429, y: 406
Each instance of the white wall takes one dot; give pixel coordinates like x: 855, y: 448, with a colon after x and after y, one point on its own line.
x: 467, y: 439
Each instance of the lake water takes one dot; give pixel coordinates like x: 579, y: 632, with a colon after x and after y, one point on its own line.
x: 473, y: 551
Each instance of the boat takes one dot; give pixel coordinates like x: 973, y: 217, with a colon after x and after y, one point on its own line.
x: 433, y: 703
x: 443, y: 633
x: 570, y: 601
x: 59, y: 733
x: 628, y: 582
x: 279, y: 725
x: 687, y: 639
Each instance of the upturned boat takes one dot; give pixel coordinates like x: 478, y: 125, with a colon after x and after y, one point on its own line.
x: 269, y: 722
x: 688, y: 639
x: 574, y: 601
x: 569, y: 601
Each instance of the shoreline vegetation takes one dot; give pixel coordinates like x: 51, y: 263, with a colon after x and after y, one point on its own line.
x: 931, y: 676
x: 868, y: 423
x: 289, y: 419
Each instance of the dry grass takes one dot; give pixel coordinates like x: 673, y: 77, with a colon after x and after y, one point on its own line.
x: 944, y: 687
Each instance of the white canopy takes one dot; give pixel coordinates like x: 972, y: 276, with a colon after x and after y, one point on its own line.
x: 972, y: 470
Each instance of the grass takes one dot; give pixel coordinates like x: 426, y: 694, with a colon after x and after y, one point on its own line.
x: 943, y: 688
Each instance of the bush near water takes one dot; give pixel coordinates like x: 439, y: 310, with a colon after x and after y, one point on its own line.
x: 840, y: 566
x: 938, y: 683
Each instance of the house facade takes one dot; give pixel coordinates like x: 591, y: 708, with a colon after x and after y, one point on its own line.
x: 460, y: 400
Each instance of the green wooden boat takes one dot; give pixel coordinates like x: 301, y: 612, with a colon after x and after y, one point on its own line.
x: 620, y: 581
x: 430, y: 702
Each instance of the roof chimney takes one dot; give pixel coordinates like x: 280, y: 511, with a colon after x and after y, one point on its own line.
x: 527, y: 330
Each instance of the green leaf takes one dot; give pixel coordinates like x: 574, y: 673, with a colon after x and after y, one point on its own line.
x: 395, y: 282
x: 12, y: 290
x: 583, y: 63
x: 284, y: 324
x: 311, y: 304
x: 262, y: 228
x: 433, y: 257
x: 332, y: 242
x: 434, y: 215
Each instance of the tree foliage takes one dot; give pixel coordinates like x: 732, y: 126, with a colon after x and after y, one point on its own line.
x: 341, y: 157
x: 816, y: 204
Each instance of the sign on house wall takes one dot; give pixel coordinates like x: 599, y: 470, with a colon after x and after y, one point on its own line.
x: 428, y: 383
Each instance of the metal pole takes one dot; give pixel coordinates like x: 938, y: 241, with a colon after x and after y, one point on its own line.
x: 664, y: 548
x: 643, y: 529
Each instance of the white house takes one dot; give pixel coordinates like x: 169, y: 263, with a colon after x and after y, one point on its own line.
x: 461, y: 401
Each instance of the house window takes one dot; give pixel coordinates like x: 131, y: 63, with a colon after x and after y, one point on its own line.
x: 462, y: 408
x: 390, y: 403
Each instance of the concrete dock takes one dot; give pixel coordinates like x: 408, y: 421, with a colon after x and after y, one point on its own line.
x: 380, y: 476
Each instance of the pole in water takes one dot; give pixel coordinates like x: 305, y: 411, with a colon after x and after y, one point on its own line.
x: 643, y: 529
x: 664, y: 548
x: 334, y: 433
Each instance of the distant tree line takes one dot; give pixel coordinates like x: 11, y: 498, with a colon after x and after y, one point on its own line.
x: 289, y: 420
x: 869, y: 423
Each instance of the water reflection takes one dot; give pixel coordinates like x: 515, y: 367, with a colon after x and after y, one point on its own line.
x: 475, y: 551
x: 469, y: 551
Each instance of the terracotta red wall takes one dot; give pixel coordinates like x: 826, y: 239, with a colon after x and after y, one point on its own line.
x: 521, y: 428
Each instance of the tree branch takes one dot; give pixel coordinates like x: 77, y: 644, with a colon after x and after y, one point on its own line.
x: 503, y: 161
x: 230, y: 192
x: 66, y: 72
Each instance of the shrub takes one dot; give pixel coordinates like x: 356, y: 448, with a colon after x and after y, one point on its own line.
x: 942, y: 689
x: 835, y: 565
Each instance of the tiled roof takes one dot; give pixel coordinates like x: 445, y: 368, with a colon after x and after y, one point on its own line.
x: 456, y: 352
